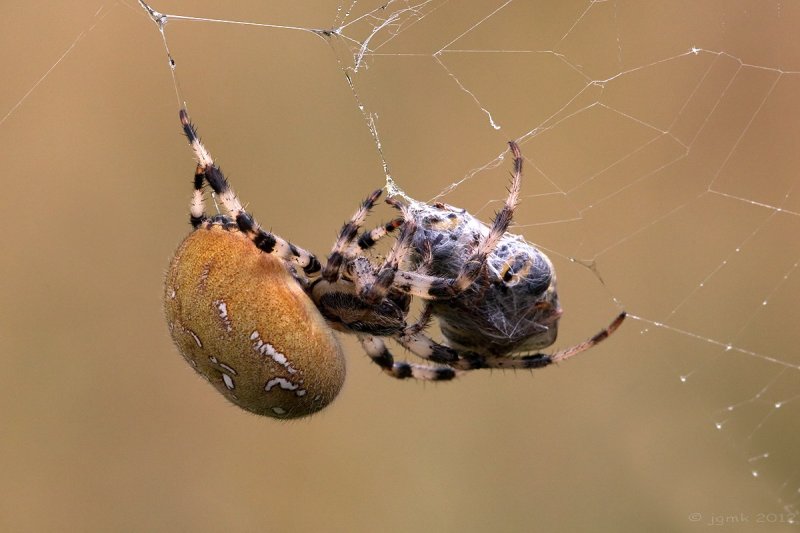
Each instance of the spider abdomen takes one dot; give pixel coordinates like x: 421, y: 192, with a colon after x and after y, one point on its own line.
x: 245, y: 324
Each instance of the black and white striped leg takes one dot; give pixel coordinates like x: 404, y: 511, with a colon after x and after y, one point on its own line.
x: 346, y: 236
x: 368, y: 239
x: 264, y: 240
x: 566, y: 353
x: 502, y: 220
x: 377, y: 351
x: 197, y: 208
x: 363, y: 274
x: 423, y: 321
x: 426, y: 348
x: 386, y: 273
x: 425, y: 286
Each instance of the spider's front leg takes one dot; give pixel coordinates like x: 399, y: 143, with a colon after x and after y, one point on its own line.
x: 347, y: 234
x: 389, y: 276
x: 347, y: 247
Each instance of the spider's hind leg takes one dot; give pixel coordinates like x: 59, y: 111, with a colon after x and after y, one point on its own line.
x: 377, y: 351
x: 208, y: 171
x: 539, y: 360
x: 423, y: 346
x: 197, y: 208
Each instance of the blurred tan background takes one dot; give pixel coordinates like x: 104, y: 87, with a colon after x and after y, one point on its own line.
x: 666, y: 180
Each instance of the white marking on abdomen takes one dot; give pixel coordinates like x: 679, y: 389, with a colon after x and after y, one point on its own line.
x: 228, y: 381
x: 285, y: 384
x: 228, y: 368
x: 196, y: 338
x: 265, y: 348
x: 222, y: 308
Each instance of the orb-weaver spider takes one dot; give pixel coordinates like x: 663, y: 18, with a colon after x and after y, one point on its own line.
x: 254, y: 313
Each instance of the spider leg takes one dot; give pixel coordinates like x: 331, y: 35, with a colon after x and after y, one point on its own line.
x: 368, y: 239
x: 380, y: 355
x: 431, y: 287
x: 363, y: 270
x: 264, y: 240
x: 424, y: 286
x: 539, y: 360
x: 346, y: 236
x: 197, y: 208
x: 474, y: 266
x: 422, y: 322
x: 585, y: 345
x: 374, y: 287
x: 385, y: 277
x: 428, y: 349
x: 345, y: 248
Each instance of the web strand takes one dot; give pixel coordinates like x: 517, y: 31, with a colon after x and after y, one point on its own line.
x: 664, y: 140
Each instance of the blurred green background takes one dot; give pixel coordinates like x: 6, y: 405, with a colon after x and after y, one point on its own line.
x: 672, y: 178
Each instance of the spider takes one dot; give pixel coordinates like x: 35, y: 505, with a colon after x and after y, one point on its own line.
x: 254, y: 314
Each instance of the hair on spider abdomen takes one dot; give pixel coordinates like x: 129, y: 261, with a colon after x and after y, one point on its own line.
x: 242, y: 321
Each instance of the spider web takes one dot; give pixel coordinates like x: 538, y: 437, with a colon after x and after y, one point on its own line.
x: 661, y: 166
x: 686, y: 119
x: 697, y: 132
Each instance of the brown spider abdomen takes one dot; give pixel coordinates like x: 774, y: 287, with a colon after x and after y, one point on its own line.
x: 244, y: 323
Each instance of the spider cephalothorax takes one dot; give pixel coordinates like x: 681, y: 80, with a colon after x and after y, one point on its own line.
x: 254, y: 314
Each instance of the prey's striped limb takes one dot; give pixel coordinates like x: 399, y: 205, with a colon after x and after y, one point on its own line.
x: 502, y: 220
x: 427, y: 349
x: 585, y: 345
